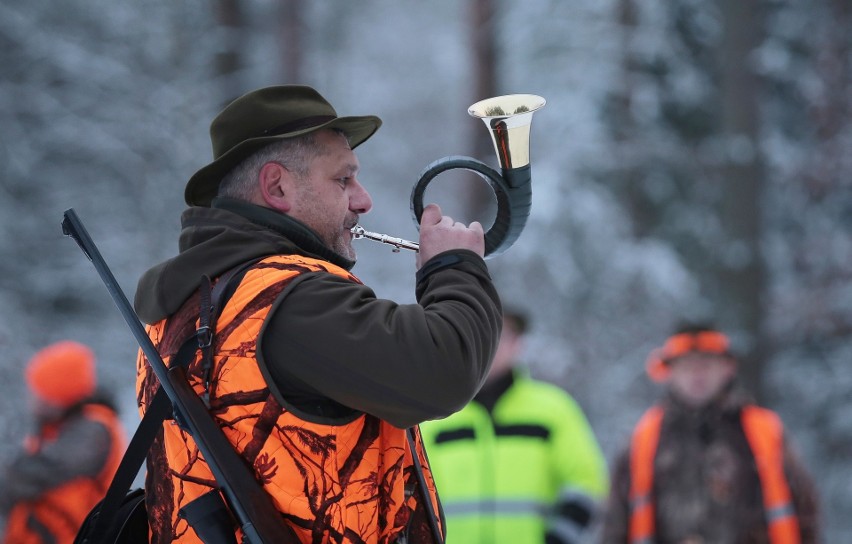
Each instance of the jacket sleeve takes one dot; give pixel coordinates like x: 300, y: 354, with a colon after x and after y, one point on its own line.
x: 404, y: 363
x: 615, y: 524
x: 81, y: 449
x: 582, y: 472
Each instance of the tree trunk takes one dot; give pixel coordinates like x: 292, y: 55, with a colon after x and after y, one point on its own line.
x: 229, y: 57
x: 290, y: 36
x: 628, y: 147
x: 483, y: 20
x: 740, y: 304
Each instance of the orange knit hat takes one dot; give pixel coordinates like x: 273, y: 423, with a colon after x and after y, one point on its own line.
x: 62, y: 373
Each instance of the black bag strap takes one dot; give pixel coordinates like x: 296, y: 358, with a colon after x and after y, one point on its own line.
x: 205, y: 331
x: 160, y: 408
x: 431, y: 515
x: 211, y: 302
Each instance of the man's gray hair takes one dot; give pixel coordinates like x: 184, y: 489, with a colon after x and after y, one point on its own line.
x: 294, y: 154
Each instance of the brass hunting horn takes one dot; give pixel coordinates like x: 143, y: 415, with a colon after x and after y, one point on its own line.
x: 508, y: 119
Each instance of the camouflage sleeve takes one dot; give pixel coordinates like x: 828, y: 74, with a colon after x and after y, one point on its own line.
x: 581, y: 472
x: 81, y: 449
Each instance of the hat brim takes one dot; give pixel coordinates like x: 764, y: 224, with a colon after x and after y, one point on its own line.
x: 204, y: 184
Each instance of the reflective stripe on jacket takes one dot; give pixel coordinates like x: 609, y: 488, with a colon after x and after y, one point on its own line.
x: 504, y: 475
x: 764, y: 433
x: 346, y: 480
x: 56, y: 516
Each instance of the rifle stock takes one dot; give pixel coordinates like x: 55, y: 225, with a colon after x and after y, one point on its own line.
x: 252, y: 507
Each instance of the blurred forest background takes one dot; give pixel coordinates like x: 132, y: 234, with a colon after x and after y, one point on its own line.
x: 693, y: 161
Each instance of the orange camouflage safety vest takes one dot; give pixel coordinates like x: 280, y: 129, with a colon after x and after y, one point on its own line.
x: 349, y: 481
x: 764, y: 433
x: 56, y: 516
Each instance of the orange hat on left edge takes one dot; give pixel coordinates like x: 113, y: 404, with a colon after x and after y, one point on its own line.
x: 62, y: 373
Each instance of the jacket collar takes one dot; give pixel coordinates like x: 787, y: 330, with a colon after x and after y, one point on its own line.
x: 299, y: 233
x: 495, y: 388
x: 216, y: 239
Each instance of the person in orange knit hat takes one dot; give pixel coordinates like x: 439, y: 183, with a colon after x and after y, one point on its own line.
x: 705, y: 463
x: 69, y: 459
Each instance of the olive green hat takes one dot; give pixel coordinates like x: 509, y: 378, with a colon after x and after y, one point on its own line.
x: 262, y: 117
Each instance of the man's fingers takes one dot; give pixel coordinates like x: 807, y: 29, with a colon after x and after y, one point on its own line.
x: 431, y: 215
x: 439, y: 233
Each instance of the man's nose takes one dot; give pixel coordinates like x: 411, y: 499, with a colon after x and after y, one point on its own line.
x: 359, y: 199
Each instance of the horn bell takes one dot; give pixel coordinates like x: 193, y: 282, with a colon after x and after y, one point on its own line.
x: 508, y: 120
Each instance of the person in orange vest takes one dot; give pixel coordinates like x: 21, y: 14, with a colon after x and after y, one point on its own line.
x: 318, y: 384
x: 705, y: 464
x: 69, y: 460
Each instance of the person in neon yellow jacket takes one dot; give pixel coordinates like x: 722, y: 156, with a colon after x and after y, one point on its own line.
x: 519, y: 464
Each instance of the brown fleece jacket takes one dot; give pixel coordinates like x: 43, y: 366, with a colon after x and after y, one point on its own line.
x: 330, y: 345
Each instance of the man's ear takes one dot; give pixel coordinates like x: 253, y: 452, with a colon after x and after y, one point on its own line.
x: 276, y: 186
